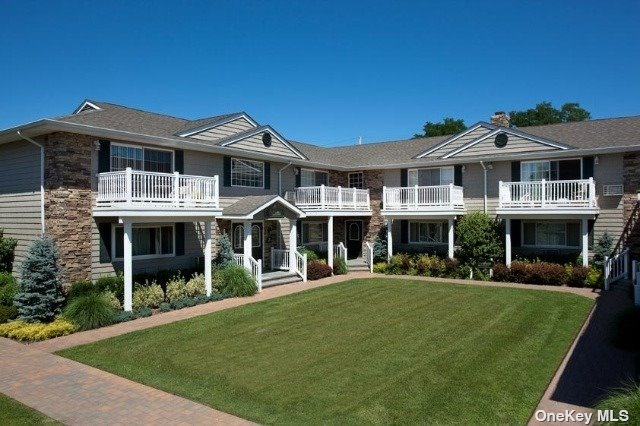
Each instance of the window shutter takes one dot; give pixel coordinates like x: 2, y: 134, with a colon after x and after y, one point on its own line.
x: 299, y: 231
x: 404, y: 177
x: 179, y: 161
x: 179, y: 238
x: 226, y: 172
x: 515, y: 171
x: 298, y: 176
x: 516, y: 233
x: 587, y: 167
x: 457, y: 175
x: 404, y: 231
x: 104, y: 157
x: 105, y: 238
x: 267, y: 175
x: 590, y: 224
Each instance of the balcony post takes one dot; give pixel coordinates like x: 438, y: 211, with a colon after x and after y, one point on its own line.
x: 330, y: 242
x: 176, y: 187
x: 128, y: 184
x: 293, y: 244
x: 450, y: 239
x: 501, y: 196
x: 248, y: 244
x: 207, y: 257
x: 128, y: 265
x: 322, y: 196
x: 507, y: 241
x: 415, y: 195
x: 389, y: 239
x: 339, y: 197
x: 355, y: 201
x: 543, y: 191
x: 585, y: 242
x: 592, y: 193
x: 451, y: 199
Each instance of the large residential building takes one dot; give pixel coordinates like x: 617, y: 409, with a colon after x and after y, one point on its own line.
x: 120, y: 189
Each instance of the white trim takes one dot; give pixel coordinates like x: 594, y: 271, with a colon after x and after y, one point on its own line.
x: 144, y: 256
x: 355, y: 173
x: 84, y: 104
x: 143, y: 147
x: 453, y: 169
x: 253, y: 222
x: 237, y: 138
x: 337, y: 213
x: 457, y: 136
x: 509, y: 131
x: 274, y: 200
x: 224, y: 121
x: 247, y: 186
x: 443, y: 234
x: 549, y: 161
x: 550, y: 246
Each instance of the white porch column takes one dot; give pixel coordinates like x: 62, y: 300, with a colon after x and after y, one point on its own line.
x: 207, y: 257
x: 293, y: 243
x: 507, y: 241
x: 128, y: 267
x: 330, y: 242
x: 389, y: 239
x: 450, y: 238
x: 247, y: 244
x: 585, y: 242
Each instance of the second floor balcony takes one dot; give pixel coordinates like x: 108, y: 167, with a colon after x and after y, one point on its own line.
x: 568, y: 196
x: 436, y: 199
x: 134, y: 190
x: 315, y: 200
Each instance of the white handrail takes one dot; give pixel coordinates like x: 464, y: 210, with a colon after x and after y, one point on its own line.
x: 238, y: 259
x: 548, y: 194
x: 423, y: 197
x: 279, y: 259
x: 139, y: 187
x: 301, y: 265
x: 340, y: 250
x: 368, y: 255
x: 329, y: 198
x: 616, y: 268
x: 256, y: 271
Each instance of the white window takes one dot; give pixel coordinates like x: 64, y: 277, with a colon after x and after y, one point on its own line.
x: 356, y: 180
x: 314, y: 232
x: 550, y: 170
x: 138, y: 158
x: 430, y: 177
x: 247, y: 173
x: 310, y: 177
x: 426, y: 232
x: 147, y: 241
x: 551, y: 234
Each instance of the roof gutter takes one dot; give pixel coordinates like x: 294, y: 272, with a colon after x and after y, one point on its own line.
x: 28, y: 139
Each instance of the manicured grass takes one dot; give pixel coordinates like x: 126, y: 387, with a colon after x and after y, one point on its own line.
x: 363, y: 351
x: 13, y: 413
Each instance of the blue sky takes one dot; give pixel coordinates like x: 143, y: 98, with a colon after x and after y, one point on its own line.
x: 323, y: 72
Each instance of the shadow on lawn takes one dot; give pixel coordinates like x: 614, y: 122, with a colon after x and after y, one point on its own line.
x: 596, y: 366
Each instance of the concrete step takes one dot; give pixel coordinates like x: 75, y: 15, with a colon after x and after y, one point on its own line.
x: 271, y: 279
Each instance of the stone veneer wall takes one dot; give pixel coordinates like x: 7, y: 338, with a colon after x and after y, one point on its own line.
x: 631, y: 182
x: 68, y: 198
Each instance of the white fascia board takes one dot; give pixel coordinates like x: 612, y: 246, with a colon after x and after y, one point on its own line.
x: 338, y: 213
x: 86, y: 103
x: 156, y: 214
x: 407, y: 214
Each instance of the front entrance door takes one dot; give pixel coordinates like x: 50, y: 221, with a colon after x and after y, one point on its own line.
x: 354, y: 238
x: 256, y: 239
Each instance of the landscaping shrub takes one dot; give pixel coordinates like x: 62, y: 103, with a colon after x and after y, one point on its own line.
x: 92, y: 310
x: 311, y: 255
x: 380, y: 267
x: 626, y: 329
x: 317, y: 270
x: 40, y: 297
x: 626, y: 398
x: 399, y: 264
x: 113, y: 300
x: 81, y: 288
x: 519, y: 272
x: 124, y: 316
x: 478, y: 236
x: 8, y: 289
x: 215, y: 297
x: 6, y: 278
x: 113, y: 283
x: 546, y: 273
x: 165, y: 307
x: 8, y: 313
x: 201, y: 299
x: 603, y: 248
x: 33, y: 332
x: 143, y: 312
x: 501, y: 272
x: 147, y: 296
x: 176, y: 289
x: 225, y: 251
x: 577, y: 275
x: 339, y: 266
x: 595, y: 277
x: 235, y: 279
x: 178, y: 304
x: 189, y: 302
x: 7, y: 251
x: 195, y: 286
x: 380, y: 245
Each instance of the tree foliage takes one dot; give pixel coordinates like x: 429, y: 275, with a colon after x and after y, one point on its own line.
x: 40, y: 297
x: 603, y: 248
x: 7, y: 250
x: 380, y: 245
x: 225, y: 251
x: 545, y: 113
x: 448, y: 126
x: 479, y: 239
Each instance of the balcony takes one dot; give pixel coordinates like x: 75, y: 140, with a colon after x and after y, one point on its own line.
x: 338, y: 201
x: 138, y: 193
x: 423, y: 200
x: 543, y: 197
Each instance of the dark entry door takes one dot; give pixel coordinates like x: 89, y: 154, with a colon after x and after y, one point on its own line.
x: 354, y: 238
x: 256, y: 239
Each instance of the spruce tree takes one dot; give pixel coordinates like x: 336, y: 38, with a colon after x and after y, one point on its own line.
x: 225, y: 251
x: 602, y: 249
x: 380, y: 245
x: 40, y: 297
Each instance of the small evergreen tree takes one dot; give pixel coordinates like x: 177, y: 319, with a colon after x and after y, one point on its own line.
x: 225, y: 251
x: 40, y: 297
x: 479, y: 239
x: 380, y: 245
x: 602, y: 249
x: 7, y: 250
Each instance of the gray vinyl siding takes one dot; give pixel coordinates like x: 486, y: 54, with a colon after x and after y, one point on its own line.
x: 20, y: 195
x: 516, y: 145
x: 254, y: 144
x: 609, y: 170
x: 222, y: 131
x: 452, y: 146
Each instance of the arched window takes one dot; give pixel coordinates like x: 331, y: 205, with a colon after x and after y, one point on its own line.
x: 238, y: 237
x: 256, y: 235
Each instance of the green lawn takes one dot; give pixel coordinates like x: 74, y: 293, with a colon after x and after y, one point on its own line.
x: 14, y: 413
x: 363, y: 351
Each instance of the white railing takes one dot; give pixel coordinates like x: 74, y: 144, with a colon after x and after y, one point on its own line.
x: 301, y: 265
x: 320, y: 246
x: 616, y: 268
x: 256, y: 271
x: 134, y: 187
x: 423, y: 197
x: 368, y: 255
x: 280, y: 259
x: 329, y: 198
x: 339, y: 250
x: 238, y: 259
x: 548, y: 194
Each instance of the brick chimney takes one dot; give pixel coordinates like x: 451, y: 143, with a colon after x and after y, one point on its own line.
x: 500, y: 118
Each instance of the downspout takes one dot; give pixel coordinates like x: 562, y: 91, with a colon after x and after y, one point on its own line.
x: 28, y: 139
x: 484, y: 168
x: 280, y: 178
